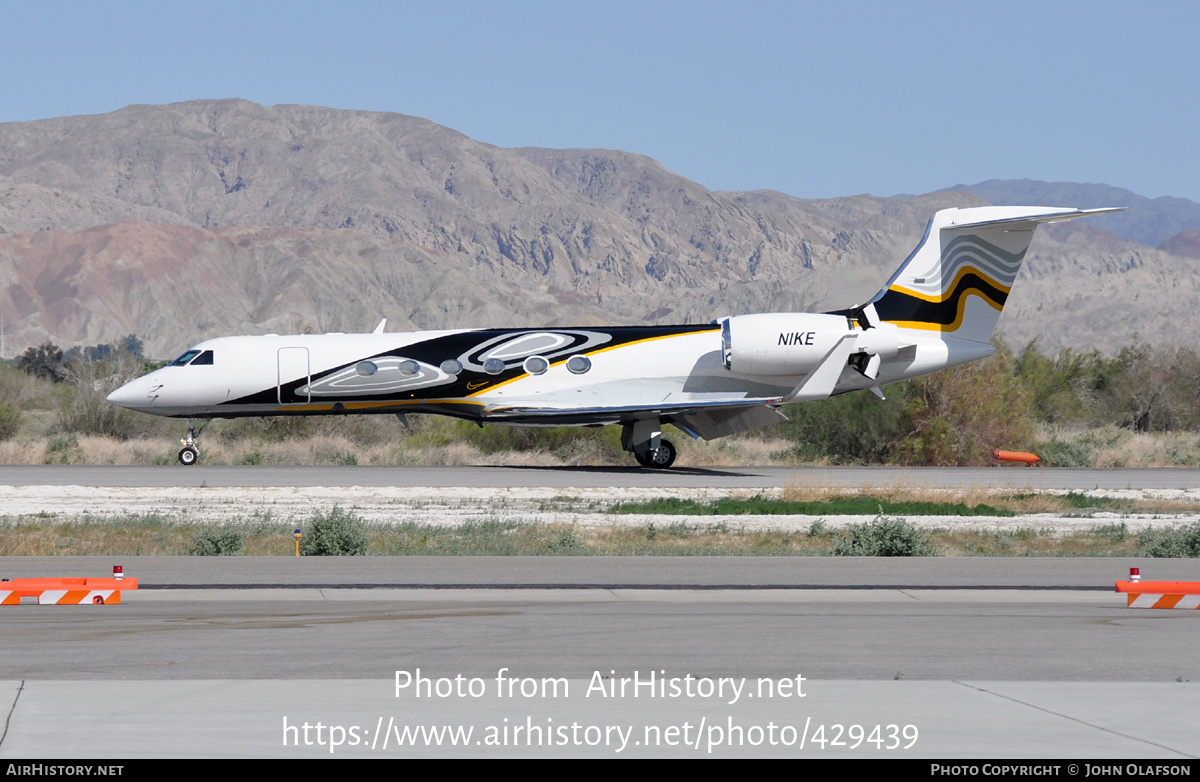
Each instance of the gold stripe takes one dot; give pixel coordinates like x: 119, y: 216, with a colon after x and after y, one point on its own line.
x: 593, y: 353
x: 397, y: 403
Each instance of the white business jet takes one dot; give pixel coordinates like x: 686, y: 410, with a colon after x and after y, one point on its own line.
x: 938, y: 310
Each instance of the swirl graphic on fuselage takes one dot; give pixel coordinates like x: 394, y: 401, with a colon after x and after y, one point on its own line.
x: 387, y: 379
x: 513, y: 349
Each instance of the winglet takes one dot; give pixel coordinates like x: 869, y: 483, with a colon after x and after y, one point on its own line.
x: 379, y: 328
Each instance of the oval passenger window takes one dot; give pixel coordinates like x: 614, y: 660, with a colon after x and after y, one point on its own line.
x: 536, y: 365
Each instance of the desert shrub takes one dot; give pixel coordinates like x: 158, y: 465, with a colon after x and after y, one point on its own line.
x: 217, y: 543
x: 10, y: 420
x: 23, y: 390
x: 885, y: 536
x: 852, y: 428
x: 83, y: 407
x: 63, y: 449
x: 268, y: 429
x: 1174, y: 542
x: 960, y: 415
x: 336, y: 533
x: 562, y: 440
x: 1059, y: 453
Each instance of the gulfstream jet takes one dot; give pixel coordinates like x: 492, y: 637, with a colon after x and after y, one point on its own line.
x: 938, y: 310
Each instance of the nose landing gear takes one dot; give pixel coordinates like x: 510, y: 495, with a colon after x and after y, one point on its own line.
x: 190, y: 453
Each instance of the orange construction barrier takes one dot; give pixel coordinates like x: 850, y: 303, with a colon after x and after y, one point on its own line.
x: 1016, y: 456
x: 65, y: 591
x: 1161, y: 594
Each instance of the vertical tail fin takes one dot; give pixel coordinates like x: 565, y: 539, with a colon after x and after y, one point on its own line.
x: 958, y: 279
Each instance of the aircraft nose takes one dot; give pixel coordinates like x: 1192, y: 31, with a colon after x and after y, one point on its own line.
x: 132, y: 395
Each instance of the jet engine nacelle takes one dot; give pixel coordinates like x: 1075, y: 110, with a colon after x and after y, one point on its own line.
x: 779, y: 343
x: 882, y: 341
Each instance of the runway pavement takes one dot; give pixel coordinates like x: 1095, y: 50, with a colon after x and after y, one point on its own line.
x: 585, y: 477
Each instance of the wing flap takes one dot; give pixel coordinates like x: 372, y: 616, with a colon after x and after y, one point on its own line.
x: 722, y: 422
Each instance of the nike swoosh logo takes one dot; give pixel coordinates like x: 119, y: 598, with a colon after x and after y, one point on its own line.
x: 473, y: 386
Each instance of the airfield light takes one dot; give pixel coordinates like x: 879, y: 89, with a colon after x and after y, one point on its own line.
x: 118, y: 572
x: 1135, y: 574
x: 297, y: 535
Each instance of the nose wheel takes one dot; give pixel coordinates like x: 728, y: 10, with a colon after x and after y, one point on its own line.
x: 190, y: 453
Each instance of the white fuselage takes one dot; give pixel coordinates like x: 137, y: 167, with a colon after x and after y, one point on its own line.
x: 630, y: 369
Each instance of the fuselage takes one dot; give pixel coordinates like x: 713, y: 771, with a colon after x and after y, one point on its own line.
x: 519, y: 376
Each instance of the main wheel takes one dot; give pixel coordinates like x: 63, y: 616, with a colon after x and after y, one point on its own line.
x: 661, y: 458
x: 188, y: 456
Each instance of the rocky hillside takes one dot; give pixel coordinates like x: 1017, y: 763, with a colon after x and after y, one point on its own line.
x: 193, y: 220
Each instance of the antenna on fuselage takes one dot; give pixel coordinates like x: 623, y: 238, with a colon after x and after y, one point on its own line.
x: 379, y: 328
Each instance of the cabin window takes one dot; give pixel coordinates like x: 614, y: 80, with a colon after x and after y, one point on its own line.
x: 366, y: 368
x: 493, y: 366
x: 577, y: 365
x: 536, y: 365
x: 409, y: 368
x: 184, y: 359
x: 205, y: 359
x: 451, y: 366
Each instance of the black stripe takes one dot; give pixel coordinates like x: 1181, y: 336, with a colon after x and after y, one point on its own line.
x: 897, y: 306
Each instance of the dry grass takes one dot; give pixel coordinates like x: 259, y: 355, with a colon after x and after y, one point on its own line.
x: 154, y: 536
x: 1018, y: 500
x: 381, y: 440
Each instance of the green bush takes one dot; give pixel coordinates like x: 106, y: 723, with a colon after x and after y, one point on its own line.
x: 1059, y: 453
x: 884, y: 537
x: 1176, y: 542
x: 337, y: 533
x: 217, y: 543
x: 853, y: 428
x: 10, y: 421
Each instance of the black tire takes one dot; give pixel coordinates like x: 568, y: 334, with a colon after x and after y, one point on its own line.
x: 188, y: 456
x: 660, y: 459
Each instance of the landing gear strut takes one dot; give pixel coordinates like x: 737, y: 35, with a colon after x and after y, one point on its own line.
x: 190, y: 453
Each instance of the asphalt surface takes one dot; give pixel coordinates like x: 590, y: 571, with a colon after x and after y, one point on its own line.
x: 566, y: 477
x: 986, y: 657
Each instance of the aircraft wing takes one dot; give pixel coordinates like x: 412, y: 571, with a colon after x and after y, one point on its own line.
x: 707, y: 418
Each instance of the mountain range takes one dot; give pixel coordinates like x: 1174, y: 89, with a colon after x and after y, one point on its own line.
x: 199, y: 219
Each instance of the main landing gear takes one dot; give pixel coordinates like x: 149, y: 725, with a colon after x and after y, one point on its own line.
x: 644, y: 438
x: 661, y: 457
x: 190, y: 453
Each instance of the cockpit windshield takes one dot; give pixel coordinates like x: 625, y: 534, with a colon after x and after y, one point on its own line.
x: 184, y: 359
x: 194, y: 357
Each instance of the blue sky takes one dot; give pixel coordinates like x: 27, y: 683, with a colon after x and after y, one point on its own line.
x: 815, y: 100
